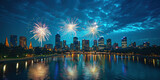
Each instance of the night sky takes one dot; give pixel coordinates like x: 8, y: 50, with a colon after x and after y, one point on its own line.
x: 139, y: 20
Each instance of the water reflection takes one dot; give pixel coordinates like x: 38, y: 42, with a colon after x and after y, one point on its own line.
x: 26, y: 65
x: 17, y: 65
x: 38, y: 71
x: 92, y: 71
x: 82, y: 66
x: 4, y: 68
x: 71, y: 72
x: 154, y: 62
x: 144, y: 60
x: 32, y: 63
x: 137, y: 59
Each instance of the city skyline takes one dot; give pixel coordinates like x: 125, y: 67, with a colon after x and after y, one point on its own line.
x: 114, y: 19
x: 99, y: 43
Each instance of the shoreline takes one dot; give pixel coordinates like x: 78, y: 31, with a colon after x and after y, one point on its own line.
x: 45, y: 56
x: 27, y: 58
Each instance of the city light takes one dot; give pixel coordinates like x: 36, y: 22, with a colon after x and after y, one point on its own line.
x: 41, y: 32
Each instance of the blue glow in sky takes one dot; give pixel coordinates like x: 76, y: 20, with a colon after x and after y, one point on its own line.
x: 139, y: 20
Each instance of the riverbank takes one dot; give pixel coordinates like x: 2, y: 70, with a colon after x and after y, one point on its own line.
x: 28, y: 58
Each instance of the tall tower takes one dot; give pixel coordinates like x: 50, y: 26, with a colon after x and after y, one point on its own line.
x: 13, y: 40
x: 101, y: 43
x: 75, y: 43
x: 6, y: 42
x: 124, y: 42
x: 109, y: 44
x: 78, y: 45
x: 87, y: 45
x: 57, y: 41
x: 95, y: 45
x: 64, y: 44
x: 83, y: 44
x: 23, y: 42
x: 30, y: 46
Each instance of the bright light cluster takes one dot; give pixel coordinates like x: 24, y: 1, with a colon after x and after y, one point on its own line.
x: 69, y: 26
x: 93, y: 30
x: 41, y: 32
x: 72, y: 72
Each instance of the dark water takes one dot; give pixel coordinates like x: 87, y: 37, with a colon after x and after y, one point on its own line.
x: 83, y: 67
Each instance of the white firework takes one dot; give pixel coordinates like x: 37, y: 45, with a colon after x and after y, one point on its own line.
x: 41, y: 32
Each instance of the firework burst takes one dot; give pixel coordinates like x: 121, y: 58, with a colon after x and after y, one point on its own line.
x: 41, y: 32
x: 69, y: 26
x: 92, y: 30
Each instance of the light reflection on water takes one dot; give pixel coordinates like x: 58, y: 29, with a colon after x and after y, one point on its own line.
x: 83, y: 66
x: 38, y: 72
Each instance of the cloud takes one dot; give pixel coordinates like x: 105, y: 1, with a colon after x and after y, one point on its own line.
x: 113, y: 16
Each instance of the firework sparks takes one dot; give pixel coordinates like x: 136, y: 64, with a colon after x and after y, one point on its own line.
x: 69, y: 26
x: 41, y: 32
x: 93, y: 30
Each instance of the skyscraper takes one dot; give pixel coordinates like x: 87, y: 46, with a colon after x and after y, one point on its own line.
x: 75, y: 43
x: 6, y: 42
x: 30, y: 45
x: 57, y: 41
x: 109, y: 44
x: 95, y: 45
x: 71, y: 46
x: 13, y: 40
x: 95, y: 42
x: 23, y: 42
x: 101, y: 45
x: 124, y: 42
x: 64, y: 45
x: 78, y: 45
x: 85, y: 45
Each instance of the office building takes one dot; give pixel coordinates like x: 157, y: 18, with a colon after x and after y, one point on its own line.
x: 85, y: 45
x: 71, y: 46
x: 13, y: 40
x: 101, y: 45
x: 124, y: 42
x: 75, y: 43
x: 78, y: 45
x: 109, y: 44
x: 95, y: 45
x: 57, y: 42
x: 23, y: 42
